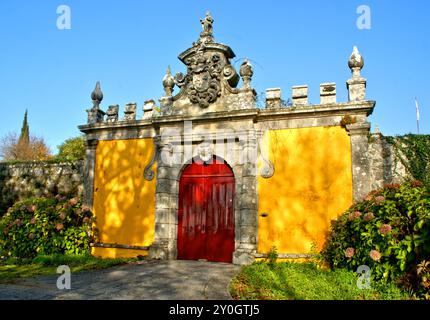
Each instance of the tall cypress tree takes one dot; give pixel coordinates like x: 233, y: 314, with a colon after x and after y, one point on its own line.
x: 25, y: 131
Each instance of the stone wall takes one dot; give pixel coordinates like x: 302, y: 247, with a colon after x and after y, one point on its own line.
x: 35, y: 179
x: 384, y: 167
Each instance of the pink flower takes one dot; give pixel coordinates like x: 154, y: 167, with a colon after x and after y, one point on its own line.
x: 385, y: 229
x: 33, y: 220
x: 86, y: 208
x: 368, y: 198
x: 31, y: 208
x: 354, y: 215
x: 86, y: 220
x: 368, y: 216
x: 62, y: 215
x: 379, y: 199
x: 375, y: 255
x: 18, y: 222
x: 73, y: 201
x: 59, y: 226
x: 349, y: 252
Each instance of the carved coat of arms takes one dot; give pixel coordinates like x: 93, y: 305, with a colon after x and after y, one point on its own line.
x: 204, y: 83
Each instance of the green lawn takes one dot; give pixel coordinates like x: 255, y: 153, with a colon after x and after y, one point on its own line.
x: 45, y: 265
x: 305, y: 281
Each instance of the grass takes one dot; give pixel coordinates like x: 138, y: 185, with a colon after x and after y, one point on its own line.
x: 12, y: 269
x: 305, y: 281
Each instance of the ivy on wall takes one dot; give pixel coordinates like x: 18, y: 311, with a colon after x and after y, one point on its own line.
x: 413, y: 151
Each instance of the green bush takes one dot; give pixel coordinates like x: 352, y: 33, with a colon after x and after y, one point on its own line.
x: 72, y: 149
x: 42, y: 226
x: 389, y: 231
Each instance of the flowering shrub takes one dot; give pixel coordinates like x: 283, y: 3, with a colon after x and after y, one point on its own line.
x: 46, y: 226
x: 389, y: 231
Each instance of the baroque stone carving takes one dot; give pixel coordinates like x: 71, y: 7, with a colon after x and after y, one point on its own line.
x: 148, y: 173
x: 205, y: 151
x: 208, y: 70
x: 204, y: 86
x: 159, y: 147
x: 268, y: 169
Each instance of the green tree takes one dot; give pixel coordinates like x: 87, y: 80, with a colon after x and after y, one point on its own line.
x: 72, y: 149
x: 25, y: 131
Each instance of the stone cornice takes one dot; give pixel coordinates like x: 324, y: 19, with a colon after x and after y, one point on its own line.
x: 256, y: 115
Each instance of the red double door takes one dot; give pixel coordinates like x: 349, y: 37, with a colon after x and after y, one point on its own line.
x: 206, y: 212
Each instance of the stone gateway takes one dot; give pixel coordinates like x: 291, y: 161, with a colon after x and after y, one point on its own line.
x: 207, y: 174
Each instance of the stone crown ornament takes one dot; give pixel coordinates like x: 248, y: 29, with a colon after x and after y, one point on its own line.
x: 209, y: 70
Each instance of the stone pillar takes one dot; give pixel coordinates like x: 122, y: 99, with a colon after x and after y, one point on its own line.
x: 356, y: 89
x: 89, y: 168
x: 166, y: 203
x: 246, y: 247
x: 361, y: 174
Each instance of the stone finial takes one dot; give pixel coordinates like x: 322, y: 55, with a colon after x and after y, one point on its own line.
x: 130, y: 112
x: 112, y: 113
x: 300, y: 95
x: 96, y: 115
x: 168, y: 83
x: 207, y: 24
x: 355, y: 62
x: 357, y: 84
x: 97, y: 95
x: 273, y: 98
x: 328, y: 93
x: 148, y: 108
x: 246, y: 72
x: 206, y: 36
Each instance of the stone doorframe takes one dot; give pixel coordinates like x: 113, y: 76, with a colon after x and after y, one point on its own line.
x: 167, y: 189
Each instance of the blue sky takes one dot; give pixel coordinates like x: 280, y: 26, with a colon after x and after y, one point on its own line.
x: 128, y: 44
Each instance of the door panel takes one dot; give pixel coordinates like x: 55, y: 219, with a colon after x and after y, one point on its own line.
x: 206, y: 212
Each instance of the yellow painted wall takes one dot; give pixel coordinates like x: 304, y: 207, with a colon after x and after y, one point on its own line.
x: 312, y: 185
x: 124, y: 202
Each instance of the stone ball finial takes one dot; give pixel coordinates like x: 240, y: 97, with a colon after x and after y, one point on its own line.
x: 97, y: 94
x: 246, y: 71
x: 168, y: 82
x: 355, y: 61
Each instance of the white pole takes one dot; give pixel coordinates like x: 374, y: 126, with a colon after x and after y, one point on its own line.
x: 418, y: 115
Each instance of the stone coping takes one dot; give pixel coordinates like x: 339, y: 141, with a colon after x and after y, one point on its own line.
x: 256, y: 114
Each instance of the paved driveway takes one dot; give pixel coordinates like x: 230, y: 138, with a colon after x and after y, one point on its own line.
x: 164, y: 280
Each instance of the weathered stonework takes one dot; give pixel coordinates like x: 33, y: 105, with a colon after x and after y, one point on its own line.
x: 385, y: 167
x: 37, y: 179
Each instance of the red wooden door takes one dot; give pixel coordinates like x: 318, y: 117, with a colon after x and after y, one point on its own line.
x: 206, y: 212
